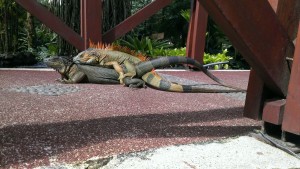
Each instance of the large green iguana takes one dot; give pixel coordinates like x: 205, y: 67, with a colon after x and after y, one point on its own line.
x: 138, y: 69
x: 72, y: 73
x: 66, y: 68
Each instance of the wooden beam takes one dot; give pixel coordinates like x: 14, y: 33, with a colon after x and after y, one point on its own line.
x: 134, y: 20
x: 53, y: 22
x: 257, y: 93
x: 91, y: 21
x: 274, y: 4
x: 288, y: 14
x: 273, y: 111
x: 197, y: 31
x: 291, y: 117
x: 255, y: 31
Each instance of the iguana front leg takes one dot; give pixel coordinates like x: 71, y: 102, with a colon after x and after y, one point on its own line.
x: 118, y: 68
x: 75, y: 76
x: 131, y: 72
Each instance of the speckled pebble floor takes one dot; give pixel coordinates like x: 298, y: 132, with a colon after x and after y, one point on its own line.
x: 104, y: 120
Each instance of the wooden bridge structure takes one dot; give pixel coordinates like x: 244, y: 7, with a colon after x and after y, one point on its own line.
x: 264, y: 32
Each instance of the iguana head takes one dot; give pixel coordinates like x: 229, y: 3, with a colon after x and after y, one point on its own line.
x: 90, y: 56
x: 59, y: 63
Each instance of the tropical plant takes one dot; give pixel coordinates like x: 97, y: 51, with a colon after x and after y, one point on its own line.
x: 169, y: 52
x: 208, y: 58
x: 144, y: 45
x: 186, y: 14
x: 12, y: 26
x: 114, y: 12
x: 214, y: 58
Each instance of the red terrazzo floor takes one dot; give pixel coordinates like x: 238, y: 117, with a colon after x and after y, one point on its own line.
x: 104, y: 120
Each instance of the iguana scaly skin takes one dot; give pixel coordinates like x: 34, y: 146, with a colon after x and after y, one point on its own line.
x: 157, y: 82
x: 70, y: 72
x: 73, y: 73
x: 106, y: 58
x: 137, y: 68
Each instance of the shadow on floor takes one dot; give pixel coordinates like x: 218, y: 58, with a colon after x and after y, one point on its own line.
x: 23, y: 143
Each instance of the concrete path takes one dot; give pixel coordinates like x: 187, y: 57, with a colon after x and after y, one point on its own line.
x: 235, y: 153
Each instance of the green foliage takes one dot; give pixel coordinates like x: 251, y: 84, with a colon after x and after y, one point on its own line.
x: 12, y: 23
x: 208, y: 58
x: 186, y: 14
x: 168, y: 21
x: 214, y: 58
x: 169, y: 52
x: 49, y: 48
x: 144, y: 45
x: 45, y: 44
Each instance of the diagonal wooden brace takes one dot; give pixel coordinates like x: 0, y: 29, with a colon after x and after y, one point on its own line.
x: 256, y: 32
x: 53, y: 22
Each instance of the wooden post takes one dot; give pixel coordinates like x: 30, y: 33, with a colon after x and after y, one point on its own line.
x: 288, y: 14
x: 197, y: 30
x: 291, y: 116
x: 91, y: 21
x: 254, y: 29
x: 257, y: 92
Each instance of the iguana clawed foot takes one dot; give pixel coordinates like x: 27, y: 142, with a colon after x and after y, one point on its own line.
x: 65, y: 81
x: 60, y: 80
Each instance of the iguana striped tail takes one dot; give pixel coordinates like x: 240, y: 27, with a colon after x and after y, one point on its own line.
x: 145, y: 67
x: 157, y: 82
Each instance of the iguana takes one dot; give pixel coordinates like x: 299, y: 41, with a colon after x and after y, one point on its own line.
x: 157, y: 82
x: 137, y: 68
x: 72, y: 73
x: 106, y: 58
x: 66, y: 68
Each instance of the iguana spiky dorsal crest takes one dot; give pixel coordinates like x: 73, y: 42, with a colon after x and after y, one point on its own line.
x: 118, y: 48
